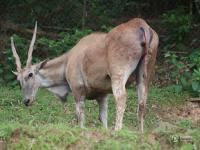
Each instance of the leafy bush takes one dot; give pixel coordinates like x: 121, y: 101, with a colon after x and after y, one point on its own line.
x: 185, y: 123
x: 186, y: 71
x: 66, y: 42
x: 177, y: 26
x: 177, y: 23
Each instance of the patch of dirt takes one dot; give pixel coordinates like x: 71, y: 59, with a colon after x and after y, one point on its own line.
x: 97, y: 136
x: 188, y: 110
x: 152, y: 139
x: 15, y: 136
x: 85, y: 144
x: 168, y: 116
x: 2, y: 144
x: 77, y: 145
x: 164, y: 143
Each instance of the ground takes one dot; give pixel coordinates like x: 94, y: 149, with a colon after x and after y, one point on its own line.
x: 171, y: 123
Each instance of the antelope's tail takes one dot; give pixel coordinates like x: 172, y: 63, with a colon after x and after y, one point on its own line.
x: 146, y: 38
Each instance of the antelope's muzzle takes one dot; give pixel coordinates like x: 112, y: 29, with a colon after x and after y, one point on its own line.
x: 26, y: 102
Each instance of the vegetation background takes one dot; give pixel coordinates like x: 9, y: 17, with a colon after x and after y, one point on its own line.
x: 61, y: 24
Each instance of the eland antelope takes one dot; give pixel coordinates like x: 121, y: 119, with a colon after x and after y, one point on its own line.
x: 99, y: 64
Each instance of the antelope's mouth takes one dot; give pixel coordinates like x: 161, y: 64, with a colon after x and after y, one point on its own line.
x: 28, y: 102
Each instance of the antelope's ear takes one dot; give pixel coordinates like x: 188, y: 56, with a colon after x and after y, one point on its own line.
x: 15, y: 73
x: 41, y: 65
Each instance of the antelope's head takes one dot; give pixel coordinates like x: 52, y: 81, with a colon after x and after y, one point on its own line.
x: 27, y: 76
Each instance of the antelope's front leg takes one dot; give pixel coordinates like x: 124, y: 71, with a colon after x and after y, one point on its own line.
x: 120, y: 95
x: 80, y: 110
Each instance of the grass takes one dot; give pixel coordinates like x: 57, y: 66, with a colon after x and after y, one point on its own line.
x: 46, y: 125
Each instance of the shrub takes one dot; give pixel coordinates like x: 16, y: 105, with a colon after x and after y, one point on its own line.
x: 186, y: 71
x: 177, y: 23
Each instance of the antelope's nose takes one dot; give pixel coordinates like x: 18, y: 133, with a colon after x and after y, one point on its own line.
x: 26, y: 102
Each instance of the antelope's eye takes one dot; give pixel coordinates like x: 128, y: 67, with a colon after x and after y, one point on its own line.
x: 30, y: 75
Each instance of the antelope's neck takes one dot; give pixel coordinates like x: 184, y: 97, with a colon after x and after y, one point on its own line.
x: 53, y: 73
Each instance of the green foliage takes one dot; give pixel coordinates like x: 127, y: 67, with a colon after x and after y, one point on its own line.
x: 187, y: 147
x: 6, y: 131
x: 98, y: 12
x: 177, y: 24
x: 186, y: 72
x: 46, y: 125
x: 65, y: 43
x: 187, y: 124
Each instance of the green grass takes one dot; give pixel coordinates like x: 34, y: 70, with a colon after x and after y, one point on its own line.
x: 46, y: 125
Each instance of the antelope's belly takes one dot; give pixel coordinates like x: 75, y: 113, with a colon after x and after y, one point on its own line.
x: 98, y: 87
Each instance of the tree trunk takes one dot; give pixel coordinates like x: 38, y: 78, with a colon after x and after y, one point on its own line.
x: 84, y: 14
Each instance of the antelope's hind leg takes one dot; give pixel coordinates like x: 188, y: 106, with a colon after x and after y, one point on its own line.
x: 119, y: 78
x: 120, y: 95
x: 142, y: 95
x: 120, y: 73
x: 145, y: 72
